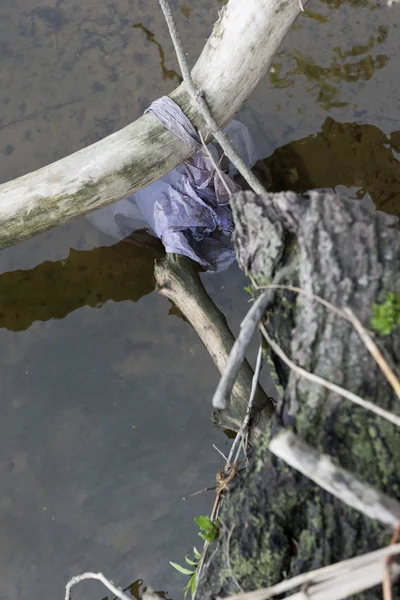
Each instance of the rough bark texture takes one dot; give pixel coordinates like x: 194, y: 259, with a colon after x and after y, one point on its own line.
x: 281, y: 523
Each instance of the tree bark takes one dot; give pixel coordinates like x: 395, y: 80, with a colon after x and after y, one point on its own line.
x: 235, y: 58
x: 278, y: 523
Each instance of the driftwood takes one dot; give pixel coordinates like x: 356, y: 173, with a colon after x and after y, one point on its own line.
x: 178, y: 279
x: 236, y: 56
x: 280, y: 522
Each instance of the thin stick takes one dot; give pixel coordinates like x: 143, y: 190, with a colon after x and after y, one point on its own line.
x: 375, y: 352
x: 209, y: 489
x: 354, y: 567
x: 330, y: 386
x: 387, y: 576
x: 347, y: 313
x: 240, y: 434
x: 311, y: 295
x: 249, y: 324
x: 216, y: 167
x: 222, y: 454
x: 100, y: 577
x: 334, y: 479
x: 202, y: 105
x: 228, y: 558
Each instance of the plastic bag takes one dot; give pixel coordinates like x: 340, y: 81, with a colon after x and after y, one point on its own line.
x: 183, y: 209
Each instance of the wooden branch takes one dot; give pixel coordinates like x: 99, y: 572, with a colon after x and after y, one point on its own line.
x: 178, y: 279
x: 100, y: 577
x: 197, y: 97
x: 334, y: 479
x: 247, y: 330
x: 233, y: 61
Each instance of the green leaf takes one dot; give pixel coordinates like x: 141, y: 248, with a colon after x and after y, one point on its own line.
x: 208, y: 537
x: 190, y: 562
x: 204, y: 522
x: 194, y: 582
x: 386, y: 316
x: 196, y: 553
x: 181, y: 569
x: 191, y: 585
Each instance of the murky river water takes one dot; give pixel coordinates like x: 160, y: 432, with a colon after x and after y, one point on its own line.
x: 105, y: 396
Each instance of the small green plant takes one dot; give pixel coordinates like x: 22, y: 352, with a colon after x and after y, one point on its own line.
x: 195, y: 564
x: 249, y: 289
x: 386, y: 316
x: 209, y: 529
x: 208, y: 532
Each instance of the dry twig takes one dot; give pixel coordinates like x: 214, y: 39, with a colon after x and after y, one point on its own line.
x: 247, y: 329
x: 334, y: 479
x: 374, y: 350
x: 216, y: 167
x: 100, y: 577
x: 337, y: 389
x: 347, y: 314
x: 243, y: 428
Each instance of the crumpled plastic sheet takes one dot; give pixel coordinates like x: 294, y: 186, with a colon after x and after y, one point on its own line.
x: 188, y: 209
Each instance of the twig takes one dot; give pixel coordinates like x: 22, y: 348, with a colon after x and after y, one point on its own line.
x: 336, y: 480
x: 100, y: 577
x: 202, y: 105
x: 347, y: 313
x: 354, y: 575
x: 228, y: 558
x: 222, y: 454
x: 387, y: 576
x: 216, y: 167
x: 209, y: 489
x: 327, y: 384
x: 240, y: 434
x: 247, y: 329
x: 375, y: 352
x: 311, y: 295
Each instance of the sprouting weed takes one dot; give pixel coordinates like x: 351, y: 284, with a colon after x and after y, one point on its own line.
x: 208, y: 532
x: 386, y: 316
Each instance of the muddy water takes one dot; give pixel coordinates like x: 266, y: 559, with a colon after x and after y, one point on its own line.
x: 105, y: 395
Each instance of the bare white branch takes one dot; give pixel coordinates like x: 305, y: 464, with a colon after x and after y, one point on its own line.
x: 247, y: 329
x: 334, y: 479
x: 242, y: 431
x: 100, y: 577
x: 235, y: 58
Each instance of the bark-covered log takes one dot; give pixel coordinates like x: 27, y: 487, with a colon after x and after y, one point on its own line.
x: 178, y: 279
x: 279, y: 522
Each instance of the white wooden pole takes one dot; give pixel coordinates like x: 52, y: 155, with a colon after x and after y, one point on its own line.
x: 234, y: 59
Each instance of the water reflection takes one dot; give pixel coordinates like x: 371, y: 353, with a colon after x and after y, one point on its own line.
x: 348, y: 154
x: 167, y: 73
x: 326, y: 79
x: 85, y: 278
